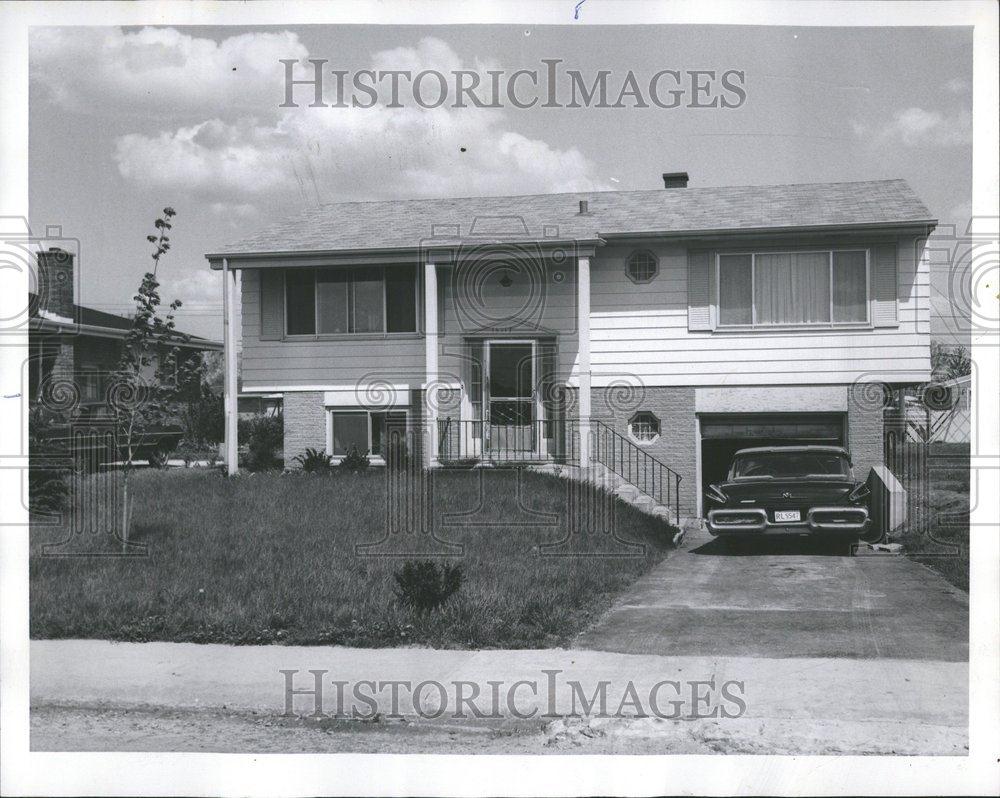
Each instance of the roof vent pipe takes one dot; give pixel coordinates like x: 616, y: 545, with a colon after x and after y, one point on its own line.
x: 675, y: 179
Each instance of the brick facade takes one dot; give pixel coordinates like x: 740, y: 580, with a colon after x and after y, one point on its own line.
x: 305, y: 423
x: 675, y: 407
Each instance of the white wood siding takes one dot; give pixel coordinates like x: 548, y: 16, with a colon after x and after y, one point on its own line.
x: 640, y: 333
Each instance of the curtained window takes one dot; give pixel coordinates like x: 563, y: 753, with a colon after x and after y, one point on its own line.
x: 850, y: 287
x: 735, y: 282
x: 793, y: 288
x: 337, y: 301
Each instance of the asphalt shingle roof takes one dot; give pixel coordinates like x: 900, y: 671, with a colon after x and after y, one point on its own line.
x: 396, y: 224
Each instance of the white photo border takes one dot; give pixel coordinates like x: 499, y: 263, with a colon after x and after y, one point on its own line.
x: 36, y: 773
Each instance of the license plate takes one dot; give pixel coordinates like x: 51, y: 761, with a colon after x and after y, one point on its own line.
x: 787, y: 515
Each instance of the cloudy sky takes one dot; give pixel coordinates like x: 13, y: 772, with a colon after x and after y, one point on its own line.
x: 126, y: 121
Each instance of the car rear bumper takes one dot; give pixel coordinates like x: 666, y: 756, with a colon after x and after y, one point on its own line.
x: 818, y: 521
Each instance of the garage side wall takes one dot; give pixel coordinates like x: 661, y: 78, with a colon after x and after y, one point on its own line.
x: 865, y: 426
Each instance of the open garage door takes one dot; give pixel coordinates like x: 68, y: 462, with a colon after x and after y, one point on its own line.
x: 723, y: 435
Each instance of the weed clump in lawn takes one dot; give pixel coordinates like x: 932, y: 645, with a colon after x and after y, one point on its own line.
x: 424, y: 585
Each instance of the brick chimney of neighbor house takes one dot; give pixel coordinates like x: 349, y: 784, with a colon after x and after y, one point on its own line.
x: 55, y: 282
x: 675, y: 179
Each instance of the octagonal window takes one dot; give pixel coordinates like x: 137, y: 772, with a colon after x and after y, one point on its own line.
x: 644, y: 427
x: 642, y: 266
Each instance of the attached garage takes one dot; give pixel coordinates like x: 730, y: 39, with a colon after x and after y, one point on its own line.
x: 723, y: 434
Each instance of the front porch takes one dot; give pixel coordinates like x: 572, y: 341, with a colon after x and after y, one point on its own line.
x: 615, y: 463
x: 492, y: 442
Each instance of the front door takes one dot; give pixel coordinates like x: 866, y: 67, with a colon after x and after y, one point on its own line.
x: 509, y: 403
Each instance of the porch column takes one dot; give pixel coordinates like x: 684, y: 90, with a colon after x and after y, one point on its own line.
x: 431, y: 379
x: 230, y: 381
x: 583, y: 350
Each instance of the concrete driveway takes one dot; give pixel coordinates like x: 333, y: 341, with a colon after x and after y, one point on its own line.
x: 786, y: 598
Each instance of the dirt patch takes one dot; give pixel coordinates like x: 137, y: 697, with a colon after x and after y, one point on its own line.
x: 82, y: 728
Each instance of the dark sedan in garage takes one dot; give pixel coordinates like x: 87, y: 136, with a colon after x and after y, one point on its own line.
x: 789, y: 490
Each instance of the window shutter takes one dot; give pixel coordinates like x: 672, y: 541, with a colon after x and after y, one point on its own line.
x: 272, y: 304
x: 699, y: 290
x: 884, y: 289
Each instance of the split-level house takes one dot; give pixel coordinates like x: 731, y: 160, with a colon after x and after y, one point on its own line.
x: 652, y: 332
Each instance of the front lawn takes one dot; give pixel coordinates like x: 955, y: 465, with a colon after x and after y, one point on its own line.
x: 267, y: 558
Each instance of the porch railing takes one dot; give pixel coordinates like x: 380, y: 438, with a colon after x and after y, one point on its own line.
x: 508, y: 442
x: 558, y: 441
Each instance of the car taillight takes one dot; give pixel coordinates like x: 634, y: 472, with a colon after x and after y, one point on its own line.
x: 714, y: 492
x: 860, y: 492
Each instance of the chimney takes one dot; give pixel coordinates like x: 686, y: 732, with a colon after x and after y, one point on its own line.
x: 584, y: 207
x: 55, y: 283
x: 675, y: 179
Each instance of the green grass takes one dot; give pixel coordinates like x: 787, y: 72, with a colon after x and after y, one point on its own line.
x: 939, y: 536
x: 271, y: 559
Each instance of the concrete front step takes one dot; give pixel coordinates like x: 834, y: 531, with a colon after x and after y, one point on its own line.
x: 600, y: 476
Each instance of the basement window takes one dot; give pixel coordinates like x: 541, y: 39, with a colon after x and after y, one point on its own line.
x: 644, y: 427
x: 365, y: 430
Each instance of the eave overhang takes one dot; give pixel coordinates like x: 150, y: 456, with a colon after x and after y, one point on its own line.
x: 63, y: 328
x: 448, y: 252
x: 443, y: 253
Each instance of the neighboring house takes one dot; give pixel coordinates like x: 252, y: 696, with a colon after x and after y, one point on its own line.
x: 670, y: 327
x: 71, y: 343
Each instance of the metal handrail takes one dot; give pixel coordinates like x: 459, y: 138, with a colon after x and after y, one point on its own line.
x: 636, y: 466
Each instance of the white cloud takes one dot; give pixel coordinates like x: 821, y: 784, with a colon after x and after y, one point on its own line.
x: 197, y: 288
x: 241, y: 210
x: 335, y: 154
x: 919, y: 127
x: 338, y: 154
x: 159, y: 70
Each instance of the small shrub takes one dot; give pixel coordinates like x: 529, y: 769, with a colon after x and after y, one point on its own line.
x: 424, y: 585
x: 265, y: 436
x: 204, y: 418
x: 354, y: 460
x: 313, y: 461
x: 47, y: 489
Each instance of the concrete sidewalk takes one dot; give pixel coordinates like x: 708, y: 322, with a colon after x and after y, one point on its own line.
x: 861, y: 705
